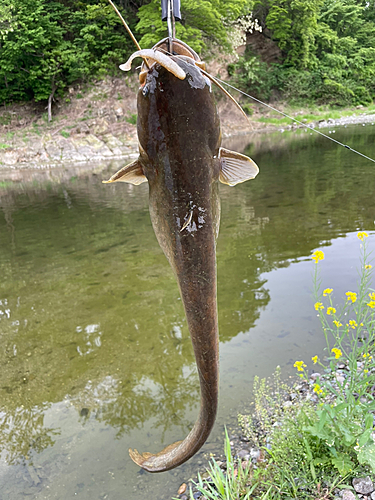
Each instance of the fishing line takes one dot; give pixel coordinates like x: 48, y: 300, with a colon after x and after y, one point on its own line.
x: 295, y: 120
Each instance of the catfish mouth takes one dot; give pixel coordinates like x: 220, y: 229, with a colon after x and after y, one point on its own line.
x: 160, y: 54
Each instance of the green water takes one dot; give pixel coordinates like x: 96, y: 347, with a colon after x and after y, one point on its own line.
x: 95, y: 354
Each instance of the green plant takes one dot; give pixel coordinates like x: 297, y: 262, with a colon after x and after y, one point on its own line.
x: 343, y: 423
x: 65, y: 134
x: 132, y: 119
x: 230, y: 485
x: 286, y: 467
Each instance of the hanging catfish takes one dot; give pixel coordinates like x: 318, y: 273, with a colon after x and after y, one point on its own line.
x: 181, y: 158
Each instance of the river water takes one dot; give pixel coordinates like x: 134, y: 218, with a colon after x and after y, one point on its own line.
x: 95, y: 354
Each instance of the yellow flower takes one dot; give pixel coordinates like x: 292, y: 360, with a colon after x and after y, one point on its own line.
x: 315, y: 359
x: 361, y: 235
x: 327, y: 291
x: 372, y: 296
x: 337, y: 323
x: 300, y: 365
x: 317, y: 256
x: 331, y: 310
x: 353, y: 324
x: 318, y: 305
x: 368, y: 266
x: 371, y: 304
x: 367, y: 356
x: 351, y: 296
x: 317, y: 389
x: 336, y: 352
x: 365, y: 371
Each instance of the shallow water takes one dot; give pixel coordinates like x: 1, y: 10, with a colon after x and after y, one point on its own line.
x: 95, y: 352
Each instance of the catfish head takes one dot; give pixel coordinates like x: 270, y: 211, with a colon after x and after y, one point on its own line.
x: 181, y: 158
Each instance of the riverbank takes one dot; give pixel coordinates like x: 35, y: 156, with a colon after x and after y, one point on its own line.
x: 98, y: 123
x: 248, y: 449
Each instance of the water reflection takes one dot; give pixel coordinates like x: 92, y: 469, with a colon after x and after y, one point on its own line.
x: 95, y: 347
x: 23, y: 431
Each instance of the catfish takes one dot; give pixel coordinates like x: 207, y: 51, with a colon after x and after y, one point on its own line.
x: 181, y: 158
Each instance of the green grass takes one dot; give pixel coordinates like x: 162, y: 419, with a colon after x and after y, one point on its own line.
x: 132, y: 119
x: 315, y: 113
x: 4, y: 146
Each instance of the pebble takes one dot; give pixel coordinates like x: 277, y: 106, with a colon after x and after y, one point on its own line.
x: 182, y: 489
x: 314, y: 376
x: 243, y: 454
x: 348, y: 495
x: 340, y: 379
x: 363, y: 485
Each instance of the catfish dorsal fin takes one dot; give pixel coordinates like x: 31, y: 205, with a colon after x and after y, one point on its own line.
x: 235, y: 167
x: 131, y: 173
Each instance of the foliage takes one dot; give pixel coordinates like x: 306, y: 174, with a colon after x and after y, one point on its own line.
x: 306, y: 446
x: 230, y: 485
x: 46, y: 46
x: 252, y: 74
x: 327, y: 51
x: 202, y: 22
x: 346, y: 427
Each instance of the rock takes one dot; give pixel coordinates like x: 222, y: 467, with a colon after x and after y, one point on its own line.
x: 113, y: 143
x: 372, y: 496
x: 243, y: 454
x: 119, y: 112
x: 340, y: 379
x: 287, y: 404
x: 183, y: 487
x: 254, y: 454
x: 348, y: 495
x: 363, y: 485
x: 314, y: 376
x: 90, y: 146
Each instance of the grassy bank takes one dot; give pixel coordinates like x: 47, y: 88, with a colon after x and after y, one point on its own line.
x: 309, y: 114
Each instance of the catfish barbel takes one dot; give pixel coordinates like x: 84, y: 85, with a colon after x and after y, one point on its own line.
x: 181, y: 158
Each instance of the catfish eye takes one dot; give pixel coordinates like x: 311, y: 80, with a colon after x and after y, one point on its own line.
x: 145, y: 90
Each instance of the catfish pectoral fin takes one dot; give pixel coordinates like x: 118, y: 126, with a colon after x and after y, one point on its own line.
x: 132, y: 174
x: 235, y: 167
x: 154, y: 462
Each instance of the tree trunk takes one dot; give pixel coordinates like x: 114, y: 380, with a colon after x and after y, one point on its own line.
x: 50, y: 98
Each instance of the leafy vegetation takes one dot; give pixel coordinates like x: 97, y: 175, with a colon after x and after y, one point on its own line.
x: 326, y: 53
x: 234, y: 484
x: 309, y: 448
x: 46, y: 46
x: 326, y: 48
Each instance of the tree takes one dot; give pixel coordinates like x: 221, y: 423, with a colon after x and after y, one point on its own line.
x: 202, y: 22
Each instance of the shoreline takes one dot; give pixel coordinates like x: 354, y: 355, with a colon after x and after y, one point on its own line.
x: 85, y: 148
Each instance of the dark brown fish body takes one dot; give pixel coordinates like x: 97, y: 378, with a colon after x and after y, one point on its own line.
x: 180, y: 141
x: 179, y: 137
